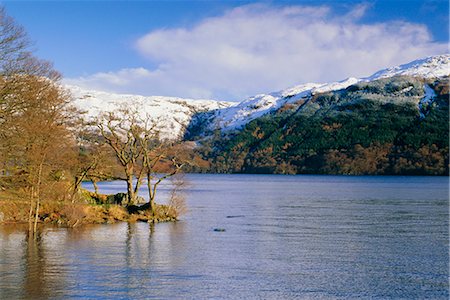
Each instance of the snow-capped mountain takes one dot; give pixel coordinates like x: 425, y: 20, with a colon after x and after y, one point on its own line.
x: 173, y: 114
x: 234, y: 117
x: 430, y: 67
x: 176, y: 114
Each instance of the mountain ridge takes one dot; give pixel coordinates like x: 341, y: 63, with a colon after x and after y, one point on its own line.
x: 179, y: 114
x: 237, y: 116
x: 173, y: 113
x: 389, y: 126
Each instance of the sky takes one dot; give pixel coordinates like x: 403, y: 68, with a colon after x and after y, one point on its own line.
x: 228, y: 50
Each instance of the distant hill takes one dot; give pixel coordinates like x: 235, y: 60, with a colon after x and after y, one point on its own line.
x: 173, y: 114
x: 236, y: 116
x: 393, y: 122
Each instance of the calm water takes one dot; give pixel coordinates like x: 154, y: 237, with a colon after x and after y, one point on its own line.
x: 285, y: 237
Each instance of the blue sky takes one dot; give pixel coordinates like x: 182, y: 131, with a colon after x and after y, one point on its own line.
x: 227, y: 49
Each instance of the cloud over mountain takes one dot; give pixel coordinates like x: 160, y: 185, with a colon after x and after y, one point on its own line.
x: 257, y: 48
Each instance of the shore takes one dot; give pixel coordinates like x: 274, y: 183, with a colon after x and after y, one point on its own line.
x: 14, y: 210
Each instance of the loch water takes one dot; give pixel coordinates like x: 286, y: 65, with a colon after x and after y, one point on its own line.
x: 250, y: 237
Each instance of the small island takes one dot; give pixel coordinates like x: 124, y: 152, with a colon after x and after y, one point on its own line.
x: 94, y: 209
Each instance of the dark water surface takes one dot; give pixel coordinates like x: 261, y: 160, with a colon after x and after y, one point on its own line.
x: 285, y: 237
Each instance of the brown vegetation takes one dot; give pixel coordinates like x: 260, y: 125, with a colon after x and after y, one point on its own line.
x: 136, y: 145
x: 47, y: 150
x: 14, y: 210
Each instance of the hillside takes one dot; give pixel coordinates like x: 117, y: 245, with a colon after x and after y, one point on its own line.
x: 393, y: 125
x: 203, y: 117
x: 173, y: 114
x: 236, y: 116
x: 393, y: 122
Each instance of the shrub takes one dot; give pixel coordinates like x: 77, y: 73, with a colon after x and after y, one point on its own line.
x: 74, y: 214
x: 117, y: 212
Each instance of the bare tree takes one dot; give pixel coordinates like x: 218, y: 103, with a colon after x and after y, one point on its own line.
x: 159, y: 163
x: 95, y: 163
x: 140, y: 151
x: 95, y: 160
x: 16, y: 63
x: 39, y: 144
x: 123, y: 131
x: 34, y: 140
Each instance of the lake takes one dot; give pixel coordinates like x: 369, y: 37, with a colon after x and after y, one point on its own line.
x: 281, y: 237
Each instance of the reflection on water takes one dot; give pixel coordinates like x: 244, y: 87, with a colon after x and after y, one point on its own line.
x: 95, y: 261
x: 285, y: 237
x: 34, y: 262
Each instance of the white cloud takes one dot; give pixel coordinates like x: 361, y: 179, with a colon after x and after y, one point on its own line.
x: 258, y: 48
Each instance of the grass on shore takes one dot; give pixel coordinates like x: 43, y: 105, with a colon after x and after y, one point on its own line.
x: 15, y: 209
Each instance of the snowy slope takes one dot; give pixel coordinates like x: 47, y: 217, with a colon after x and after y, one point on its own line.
x: 177, y: 113
x: 235, y: 117
x: 430, y: 67
x: 174, y: 114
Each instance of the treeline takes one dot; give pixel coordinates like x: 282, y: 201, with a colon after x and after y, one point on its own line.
x: 381, y: 127
x: 47, y: 148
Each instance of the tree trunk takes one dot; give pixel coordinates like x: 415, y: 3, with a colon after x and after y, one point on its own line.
x: 76, y: 186
x: 38, y: 195
x: 130, y: 190
x: 151, y: 195
x: 77, y: 183
x: 30, y: 214
x: 36, y: 216
x: 94, y: 183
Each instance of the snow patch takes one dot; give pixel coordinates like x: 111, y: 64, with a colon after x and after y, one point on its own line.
x: 425, y: 102
x: 406, y: 89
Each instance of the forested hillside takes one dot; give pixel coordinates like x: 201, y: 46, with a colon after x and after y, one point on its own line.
x: 395, y: 125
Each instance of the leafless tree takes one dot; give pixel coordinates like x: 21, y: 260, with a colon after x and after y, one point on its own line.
x: 34, y: 139
x: 160, y: 163
x: 140, y: 151
x: 123, y: 132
